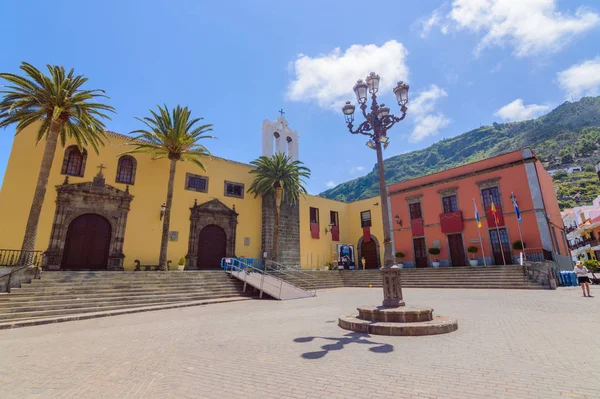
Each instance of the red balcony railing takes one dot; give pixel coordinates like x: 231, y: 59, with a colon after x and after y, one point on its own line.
x: 451, y: 222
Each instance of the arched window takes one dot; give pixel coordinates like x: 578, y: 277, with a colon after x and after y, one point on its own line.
x: 74, y: 161
x: 126, y: 170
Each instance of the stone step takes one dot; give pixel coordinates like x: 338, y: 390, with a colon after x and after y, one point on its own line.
x: 41, y: 297
x: 7, y: 315
x: 87, y: 303
x: 15, y: 323
x: 101, y: 285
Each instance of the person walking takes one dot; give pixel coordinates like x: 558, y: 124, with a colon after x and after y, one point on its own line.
x: 582, y: 278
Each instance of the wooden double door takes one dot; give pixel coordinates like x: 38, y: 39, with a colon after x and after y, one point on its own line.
x: 87, y: 243
x: 456, y: 248
x: 420, y: 250
x: 368, y: 250
x: 501, y: 245
x: 212, y: 245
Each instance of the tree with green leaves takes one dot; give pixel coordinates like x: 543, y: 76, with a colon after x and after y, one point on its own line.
x: 63, y: 110
x: 282, y: 178
x: 175, y: 136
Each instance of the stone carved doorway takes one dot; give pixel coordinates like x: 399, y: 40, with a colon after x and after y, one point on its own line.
x: 211, y: 213
x: 80, y: 199
x: 370, y: 251
x: 212, y: 245
x: 87, y: 243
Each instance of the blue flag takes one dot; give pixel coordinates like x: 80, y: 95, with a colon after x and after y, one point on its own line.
x: 517, y: 210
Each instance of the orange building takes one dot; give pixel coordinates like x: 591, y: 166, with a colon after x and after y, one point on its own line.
x: 438, y: 211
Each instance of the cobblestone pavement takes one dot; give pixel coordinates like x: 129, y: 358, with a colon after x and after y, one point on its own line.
x: 510, y: 344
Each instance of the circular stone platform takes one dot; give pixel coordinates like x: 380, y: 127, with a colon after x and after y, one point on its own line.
x: 405, y: 320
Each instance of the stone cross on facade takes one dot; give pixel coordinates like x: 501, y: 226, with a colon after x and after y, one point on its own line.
x: 281, y: 112
x: 101, y: 167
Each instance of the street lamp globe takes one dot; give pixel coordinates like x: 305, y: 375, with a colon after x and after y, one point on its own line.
x: 373, y: 82
x: 360, y: 89
x: 401, y: 92
x: 348, y: 111
x: 383, y: 111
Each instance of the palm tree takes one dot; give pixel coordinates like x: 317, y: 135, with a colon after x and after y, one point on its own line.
x: 174, y: 137
x: 279, y: 176
x: 64, y: 110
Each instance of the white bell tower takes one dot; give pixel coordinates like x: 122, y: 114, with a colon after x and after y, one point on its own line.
x: 277, y: 137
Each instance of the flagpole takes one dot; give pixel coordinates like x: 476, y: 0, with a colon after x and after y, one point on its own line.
x: 497, y: 229
x: 512, y: 196
x: 500, y: 242
x: 479, y: 230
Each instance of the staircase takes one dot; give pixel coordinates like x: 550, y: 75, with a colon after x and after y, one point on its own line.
x: 64, y: 296
x: 509, y: 277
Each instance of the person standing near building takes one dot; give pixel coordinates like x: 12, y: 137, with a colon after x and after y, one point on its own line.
x: 582, y: 278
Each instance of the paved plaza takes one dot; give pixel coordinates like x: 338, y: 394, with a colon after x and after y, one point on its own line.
x: 510, y: 344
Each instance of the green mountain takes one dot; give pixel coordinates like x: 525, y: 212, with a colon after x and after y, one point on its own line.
x: 567, y: 136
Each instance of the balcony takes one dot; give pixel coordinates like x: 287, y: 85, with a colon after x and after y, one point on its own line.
x: 570, y: 229
x: 451, y: 222
x: 584, y: 243
x: 416, y: 225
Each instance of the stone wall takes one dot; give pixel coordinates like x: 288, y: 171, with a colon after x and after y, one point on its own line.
x: 289, y: 231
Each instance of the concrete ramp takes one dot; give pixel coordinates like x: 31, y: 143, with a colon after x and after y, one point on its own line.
x: 265, y: 282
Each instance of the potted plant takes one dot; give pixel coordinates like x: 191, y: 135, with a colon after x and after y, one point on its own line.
x: 518, y: 245
x: 435, y: 252
x: 473, y: 250
x: 592, y: 265
x: 399, y: 256
x: 181, y: 264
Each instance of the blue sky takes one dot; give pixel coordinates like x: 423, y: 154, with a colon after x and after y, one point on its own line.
x: 468, y: 62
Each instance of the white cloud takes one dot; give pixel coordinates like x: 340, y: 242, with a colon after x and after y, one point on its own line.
x: 530, y: 26
x: 328, y: 79
x: 356, y: 169
x: 518, y: 111
x: 330, y: 184
x: 581, y: 79
x: 427, y: 24
x: 422, y: 108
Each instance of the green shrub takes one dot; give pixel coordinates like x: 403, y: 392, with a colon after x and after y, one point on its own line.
x: 400, y: 255
x: 434, y: 251
x: 517, y: 245
x: 591, y: 264
x: 182, y: 261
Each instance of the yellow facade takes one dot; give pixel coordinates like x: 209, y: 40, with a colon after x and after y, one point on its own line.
x: 143, y: 231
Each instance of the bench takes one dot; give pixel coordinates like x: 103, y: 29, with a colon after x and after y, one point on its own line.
x: 147, y: 268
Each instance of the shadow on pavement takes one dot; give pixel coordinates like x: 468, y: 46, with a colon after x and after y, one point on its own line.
x: 339, y: 343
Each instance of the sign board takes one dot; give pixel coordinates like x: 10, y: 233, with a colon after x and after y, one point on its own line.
x: 436, y: 244
x: 474, y: 240
x: 173, y: 235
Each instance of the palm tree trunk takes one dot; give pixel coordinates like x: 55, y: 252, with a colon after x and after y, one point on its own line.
x: 278, y: 198
x: 164, y: 240
x: 40, y: 193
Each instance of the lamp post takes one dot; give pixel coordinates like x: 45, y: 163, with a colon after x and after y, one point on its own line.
x: 376, y: 125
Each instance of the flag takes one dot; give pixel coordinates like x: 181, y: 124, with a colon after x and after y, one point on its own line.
x: 517, y: 210
x: 477, y: 215
x: 494, y: 214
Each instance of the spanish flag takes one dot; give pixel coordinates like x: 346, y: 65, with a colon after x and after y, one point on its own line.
x: 494, y: 214
x: 477, y: 215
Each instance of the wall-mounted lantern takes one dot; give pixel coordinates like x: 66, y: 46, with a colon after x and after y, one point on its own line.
x: 398, y: 220
x: 163, y: 209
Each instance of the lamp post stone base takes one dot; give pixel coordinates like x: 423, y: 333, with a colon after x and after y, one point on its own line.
x: 394, y: 317
x: 392, y: 287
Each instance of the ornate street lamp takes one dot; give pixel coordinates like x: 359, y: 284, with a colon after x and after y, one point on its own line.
x: 377, y: 122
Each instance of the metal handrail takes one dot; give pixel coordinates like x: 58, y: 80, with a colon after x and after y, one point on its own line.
x: 285, y: 270
x: 9, y: 274
x: 246, y: 267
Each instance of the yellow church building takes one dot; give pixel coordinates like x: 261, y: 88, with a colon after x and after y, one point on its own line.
x: 103, y: 211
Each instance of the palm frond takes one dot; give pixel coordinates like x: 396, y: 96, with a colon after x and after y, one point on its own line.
x: 279, y: 171
x: 56, y: 97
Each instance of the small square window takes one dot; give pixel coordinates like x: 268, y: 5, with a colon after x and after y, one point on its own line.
x: 196, y: 183
x: 234, y: 189
x: 365, y: 219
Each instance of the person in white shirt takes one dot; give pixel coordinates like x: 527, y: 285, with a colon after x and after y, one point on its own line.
x: 582, y: 278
